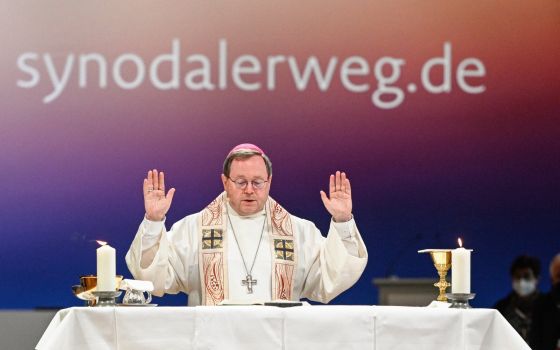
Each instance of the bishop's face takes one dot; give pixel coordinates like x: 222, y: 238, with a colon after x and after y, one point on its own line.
x: 242, y: 185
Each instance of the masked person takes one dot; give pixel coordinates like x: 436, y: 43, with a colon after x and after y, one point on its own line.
x: 518, y: 306
x: 244, y: 246
x: 545, y: 330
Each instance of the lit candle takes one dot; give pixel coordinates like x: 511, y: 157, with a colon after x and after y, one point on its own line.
x: 461, y: 270
x: 106, y: 268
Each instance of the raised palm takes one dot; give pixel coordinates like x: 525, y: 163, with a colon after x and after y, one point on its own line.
x: 156, y: 202
x: 339, y: 201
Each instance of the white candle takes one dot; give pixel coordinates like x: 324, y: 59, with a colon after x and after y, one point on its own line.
x: 106, y: 268
x: 461, y: 270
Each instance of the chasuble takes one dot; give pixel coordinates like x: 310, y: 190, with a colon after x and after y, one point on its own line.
x: 217, y: 255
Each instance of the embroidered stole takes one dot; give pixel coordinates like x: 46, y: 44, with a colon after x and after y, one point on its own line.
x: 213, y: 245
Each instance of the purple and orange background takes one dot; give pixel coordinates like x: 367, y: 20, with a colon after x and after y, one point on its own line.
x: 481, y: 166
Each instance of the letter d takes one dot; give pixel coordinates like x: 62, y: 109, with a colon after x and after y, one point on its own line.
x: 445, y: 62
x: 173, y: 58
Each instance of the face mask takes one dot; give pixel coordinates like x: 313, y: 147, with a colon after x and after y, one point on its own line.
x: 524, y: 287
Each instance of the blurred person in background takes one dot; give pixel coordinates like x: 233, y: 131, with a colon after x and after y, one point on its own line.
x: 545, y: 331
x: 517, y: 307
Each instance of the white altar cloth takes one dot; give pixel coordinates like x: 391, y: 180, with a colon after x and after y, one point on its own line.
x: 262, y: 327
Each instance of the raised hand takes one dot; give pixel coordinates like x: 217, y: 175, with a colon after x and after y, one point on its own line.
x: 156, y: 202
x: 339, y: 205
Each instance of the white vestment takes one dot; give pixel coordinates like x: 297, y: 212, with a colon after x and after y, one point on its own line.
x: 324, y: 267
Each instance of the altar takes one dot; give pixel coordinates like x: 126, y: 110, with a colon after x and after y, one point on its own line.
x: 264, y: 327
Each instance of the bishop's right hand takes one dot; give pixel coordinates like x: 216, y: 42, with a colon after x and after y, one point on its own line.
x: 156, y: 202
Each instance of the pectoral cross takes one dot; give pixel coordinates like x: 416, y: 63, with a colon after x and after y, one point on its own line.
x: 249, y: 281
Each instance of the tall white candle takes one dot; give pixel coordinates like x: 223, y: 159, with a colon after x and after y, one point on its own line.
x: 461, y: 270
x: 106, y: 268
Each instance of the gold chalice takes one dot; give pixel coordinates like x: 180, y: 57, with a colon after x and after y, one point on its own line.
x: 442, y: 262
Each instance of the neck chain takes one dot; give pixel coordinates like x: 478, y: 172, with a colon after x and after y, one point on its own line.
x: 248, y: 281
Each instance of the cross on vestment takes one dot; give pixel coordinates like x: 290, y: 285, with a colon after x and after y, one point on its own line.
x: 284, y: 250
x: 215, y: 239
x: 249, y: 281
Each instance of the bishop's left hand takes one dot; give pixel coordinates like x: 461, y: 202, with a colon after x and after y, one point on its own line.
x: 339, y: 202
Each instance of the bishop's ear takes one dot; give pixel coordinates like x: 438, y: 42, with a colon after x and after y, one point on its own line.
x: 224, y: 181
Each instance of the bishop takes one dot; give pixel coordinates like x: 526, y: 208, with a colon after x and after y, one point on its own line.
x: 244, y: 236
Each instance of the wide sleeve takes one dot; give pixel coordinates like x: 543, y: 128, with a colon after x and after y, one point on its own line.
x: 334, y: 263
x: 170, y: 260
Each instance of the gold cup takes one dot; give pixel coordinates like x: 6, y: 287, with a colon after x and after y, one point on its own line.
x: 442, y: 262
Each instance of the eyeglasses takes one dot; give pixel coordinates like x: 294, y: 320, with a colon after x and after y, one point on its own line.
x: 242, y: 183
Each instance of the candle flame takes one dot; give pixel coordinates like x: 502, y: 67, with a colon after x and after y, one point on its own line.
x: 460, y: 242
x: 101, y: 242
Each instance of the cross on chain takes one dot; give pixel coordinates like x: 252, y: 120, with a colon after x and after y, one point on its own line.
x: 249, y: 281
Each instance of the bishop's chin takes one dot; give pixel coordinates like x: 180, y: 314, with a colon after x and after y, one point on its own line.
x: 248, y: 207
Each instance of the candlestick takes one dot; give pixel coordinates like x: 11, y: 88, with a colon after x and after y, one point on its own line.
x: 460, y: 301
x: 106, y: 298
x: 106, y: 268
x: 461, y: 270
